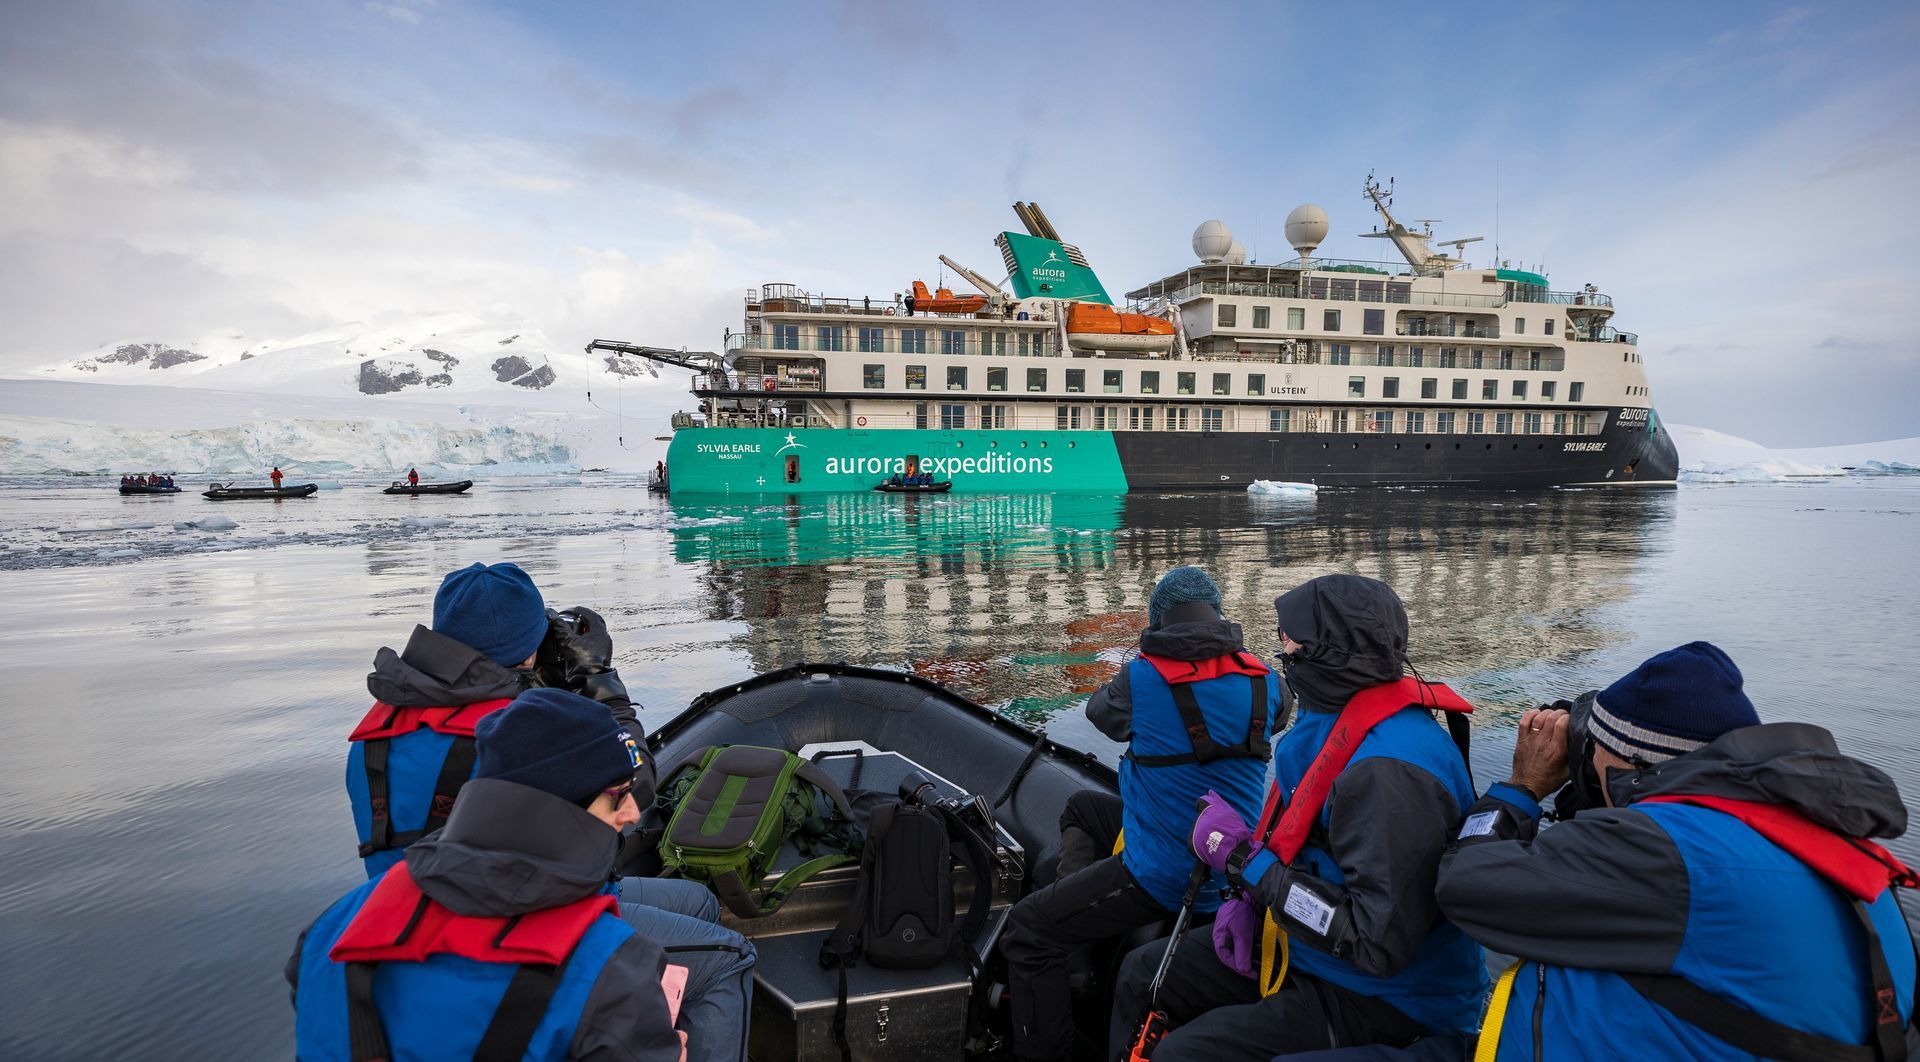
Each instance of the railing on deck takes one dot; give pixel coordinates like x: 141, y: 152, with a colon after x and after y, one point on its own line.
x: 1000, y: 345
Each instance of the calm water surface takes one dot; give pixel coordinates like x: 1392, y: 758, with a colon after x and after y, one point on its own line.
x: 178, y: 700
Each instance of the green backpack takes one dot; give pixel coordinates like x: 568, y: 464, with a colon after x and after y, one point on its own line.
x: 733, y: 808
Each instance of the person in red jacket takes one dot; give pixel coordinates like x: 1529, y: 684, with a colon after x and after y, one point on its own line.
x: 276, y: 477
x: 413, y: 478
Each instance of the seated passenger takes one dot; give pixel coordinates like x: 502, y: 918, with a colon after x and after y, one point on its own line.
x: 493, y: 937
x: 1333, y: 892
x: 1193, y: 676
x: 1714, y: 897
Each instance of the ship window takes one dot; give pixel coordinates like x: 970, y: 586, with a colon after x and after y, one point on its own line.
x: 1150, y: 382
x: 1477, y: 423
x: 1519, y: 388
x: 1110, y: 381
x: 1429, y: 388
x: 1177, y: 419
x: 873, y: 340
x: 996, y: 377
x: 1519, y: 326
x: 1546, y: 326
x: 1297, y: 318
x: 1477, y: 360
x: 956, y: 377
x: 1339, y: 354
x: 913, y: 341
x: 1060, y: 418
x: 831, y: 337
x: 1373, y: 322
x: 1226, y: 315
x: 1021, y: 347
x: 1210, y: 419
x: 1530, y: 423
x: 1186, y: 383
x: 1503, y: 424
x: 920, y: 414
x: 1559, y: 423
x: 876, y: 376
x: 1576, y: 391
x: 1256, y: 383
x: 1222, y: 383
x: 1279, y: 420
x: 1383, y: 354
x: 1076, y: 417
x: 1443, y: 422
x: 1416, y: 421
x: 1459, y: 390
x: 1036, y: 379
x: 1076, y: 380
x: 1506, y: 359
x: 1579, y: 423
x: 1390, y: 387
x: 1112, y: 417
x: 1449, y: 358
x: 953, y: 341
x: 993, y: 342
x: 786, y: 337
x: 953, y: 416
x: 1356, y: 387
x: 993, y: 416
x: 916, y: 377
x: 1382, y: 421
x: 1330, y: 320
x: 1416, y: 356
x: 1263, y: 317
x: 1339, y: 420
x: 1489, y: 389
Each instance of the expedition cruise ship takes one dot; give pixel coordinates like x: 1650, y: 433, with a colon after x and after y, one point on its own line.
x: 1338, y: 373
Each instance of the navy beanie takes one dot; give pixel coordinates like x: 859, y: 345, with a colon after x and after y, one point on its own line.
x: 495, y: 609
x: 1178, y: 587
x: 556, y: 741
x: 1672, y: 704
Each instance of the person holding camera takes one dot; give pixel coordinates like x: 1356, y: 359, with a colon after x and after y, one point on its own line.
x: 1331, y: 937
x: 1713, y: 894
x: 1195, y: 708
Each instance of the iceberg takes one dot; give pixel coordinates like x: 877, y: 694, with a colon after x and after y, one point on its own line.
x: 1712, y: 457
x: 215, y: 522
x: 1282, y: 488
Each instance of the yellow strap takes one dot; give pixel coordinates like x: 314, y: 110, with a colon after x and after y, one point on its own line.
x: 1496, y: 1017
x: 1119, y: 841
x: 1270, y: 976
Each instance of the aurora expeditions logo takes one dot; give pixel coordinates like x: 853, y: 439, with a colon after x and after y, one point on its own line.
x: 986, y: 464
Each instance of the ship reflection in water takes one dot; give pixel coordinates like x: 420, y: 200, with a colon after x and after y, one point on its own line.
x: 1032, y: 601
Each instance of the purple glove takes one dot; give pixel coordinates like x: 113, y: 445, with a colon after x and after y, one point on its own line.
x: 1218, y: 831
x: 1236, y: 935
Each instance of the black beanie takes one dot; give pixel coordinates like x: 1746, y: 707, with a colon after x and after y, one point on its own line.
x: 1672, y: 704
x: 558, y: 742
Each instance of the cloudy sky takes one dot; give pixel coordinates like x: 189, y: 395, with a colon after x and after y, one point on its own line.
x: 1740, y: 177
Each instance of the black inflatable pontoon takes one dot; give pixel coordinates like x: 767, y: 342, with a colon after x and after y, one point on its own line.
x: 223, y: 492
x: 135, y: 489
x: 455, y: 487
x: 916, y: 488
x: 899, y: 722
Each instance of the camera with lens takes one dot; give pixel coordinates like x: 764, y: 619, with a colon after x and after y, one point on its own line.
x: 1583, y: 790
x: 972, y: 812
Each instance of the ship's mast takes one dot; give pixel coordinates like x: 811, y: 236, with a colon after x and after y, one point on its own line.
x: 1413, y: 246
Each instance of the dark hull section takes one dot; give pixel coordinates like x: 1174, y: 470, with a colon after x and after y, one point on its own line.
x: 430, y: 488
x: 250, y: 493
x: 1630, y: 455
x: 149, y: 490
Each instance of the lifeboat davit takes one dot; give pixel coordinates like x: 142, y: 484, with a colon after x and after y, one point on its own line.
x: 945, y: 301
x: 1091, y: 326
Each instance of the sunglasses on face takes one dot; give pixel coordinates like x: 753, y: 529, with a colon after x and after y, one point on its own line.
x: 619, y: 793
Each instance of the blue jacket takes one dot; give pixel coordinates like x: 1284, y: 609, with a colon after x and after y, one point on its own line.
x: 507, y: 850
x: 1658, y: 888
x: 1357, y: 903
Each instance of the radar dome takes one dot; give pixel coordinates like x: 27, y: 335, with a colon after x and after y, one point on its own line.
x: 1212, y: 240
x: 1306, y: 227
x: 1236, y: 254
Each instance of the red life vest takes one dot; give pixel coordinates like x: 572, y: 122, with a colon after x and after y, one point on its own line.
x: 1176, y: 672
x: 382, y: 723
x: 1283, y: 829
x: 1859, y: 867
x: 399, y: 923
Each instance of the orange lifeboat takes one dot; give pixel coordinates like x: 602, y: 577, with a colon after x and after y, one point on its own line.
x: 1091, y: 326
x: 945, y: 301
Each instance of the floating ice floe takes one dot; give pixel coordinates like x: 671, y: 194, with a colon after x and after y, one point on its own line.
x: 421, y: 522
x: 1282, y: 488
x: 1885, y: 468
x: 107, y: 527
x: 327, y: 484
x: 215, y: 522
x: 116, y: 554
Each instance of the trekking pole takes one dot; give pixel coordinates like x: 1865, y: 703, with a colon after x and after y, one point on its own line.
x: 1153, y: 1028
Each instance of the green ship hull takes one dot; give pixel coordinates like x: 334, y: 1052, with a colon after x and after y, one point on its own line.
x: 833, y: 461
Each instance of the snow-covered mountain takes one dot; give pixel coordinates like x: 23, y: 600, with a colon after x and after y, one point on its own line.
x: 451, y: 391
x: 1708, y: 456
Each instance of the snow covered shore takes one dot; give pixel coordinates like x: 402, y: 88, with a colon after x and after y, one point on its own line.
x: 1708, y: 456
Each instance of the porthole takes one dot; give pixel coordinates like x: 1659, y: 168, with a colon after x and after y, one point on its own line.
x: 959, y: 446
x: 1489, y: 446
x: 1023, y: 444
x: 1429, y: 446
x: 1043, y: 444
x: 993, y: 444
x: 1071, y: 445
x: 1396, y: 446
x: 1356, y: 446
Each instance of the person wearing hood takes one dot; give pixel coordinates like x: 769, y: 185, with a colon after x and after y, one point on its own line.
x: 414, y: 748
x: 495, y: 937
x: 1332, y: 937
x: 1196, y: 710
x: 1714, y: 894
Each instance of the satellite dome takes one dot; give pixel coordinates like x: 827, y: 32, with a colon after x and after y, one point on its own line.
x: 1306, y: 227
x: 1212, y: 240
x: 1236, y: 254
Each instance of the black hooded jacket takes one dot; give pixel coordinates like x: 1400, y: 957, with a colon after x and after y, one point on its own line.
x: 510, y: 849
x: 1352, y: 632
x: 1192, y: 630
